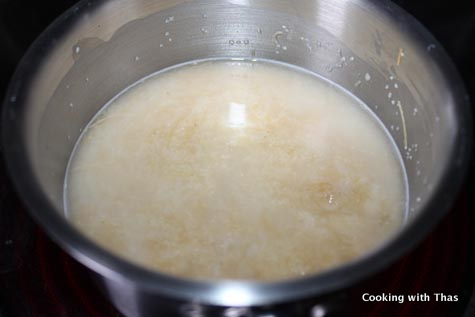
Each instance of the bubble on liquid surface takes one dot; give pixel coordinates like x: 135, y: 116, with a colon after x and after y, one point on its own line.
x: 367, y: 77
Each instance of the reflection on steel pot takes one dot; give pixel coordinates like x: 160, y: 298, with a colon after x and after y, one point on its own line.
x: 371, y: 48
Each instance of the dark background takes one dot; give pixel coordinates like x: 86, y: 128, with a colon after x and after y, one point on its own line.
x: 21, y: 21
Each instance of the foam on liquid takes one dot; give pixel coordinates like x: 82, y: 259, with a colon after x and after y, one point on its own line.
x: 244, y: 170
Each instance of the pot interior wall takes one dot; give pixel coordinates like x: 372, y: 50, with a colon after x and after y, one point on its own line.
x: 392, y: 70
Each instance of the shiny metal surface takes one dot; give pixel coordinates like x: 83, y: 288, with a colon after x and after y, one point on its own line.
x: 98, y: 48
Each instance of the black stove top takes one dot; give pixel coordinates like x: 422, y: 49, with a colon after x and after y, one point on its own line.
x: 38, y: 279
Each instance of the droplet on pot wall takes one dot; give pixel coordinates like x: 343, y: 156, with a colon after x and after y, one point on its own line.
x: 76, y: 51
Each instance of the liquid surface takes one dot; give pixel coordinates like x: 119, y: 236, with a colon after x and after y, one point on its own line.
x: 244, y: 170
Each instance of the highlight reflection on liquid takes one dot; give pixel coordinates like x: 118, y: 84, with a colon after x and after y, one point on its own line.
x: 237, y: 116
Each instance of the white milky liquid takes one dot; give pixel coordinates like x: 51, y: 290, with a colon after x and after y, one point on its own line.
x: 245, y: 170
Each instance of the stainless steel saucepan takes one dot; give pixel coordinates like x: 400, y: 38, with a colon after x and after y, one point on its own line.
x: 370, y: 47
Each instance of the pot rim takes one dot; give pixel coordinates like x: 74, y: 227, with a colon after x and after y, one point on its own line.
x: 222, y: 292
